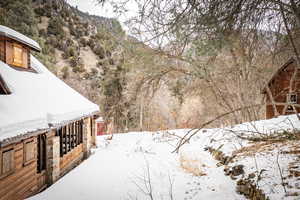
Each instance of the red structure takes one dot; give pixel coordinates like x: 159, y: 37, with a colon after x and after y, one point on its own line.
x: 101, y: 126
x: 285, y: 102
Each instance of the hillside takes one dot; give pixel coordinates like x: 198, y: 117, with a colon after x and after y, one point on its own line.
x: 75, y: 46
x: 137, y: 87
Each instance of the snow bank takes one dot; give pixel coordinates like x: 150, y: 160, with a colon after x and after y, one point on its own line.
x: 38, y: 100
x: 264, y: 159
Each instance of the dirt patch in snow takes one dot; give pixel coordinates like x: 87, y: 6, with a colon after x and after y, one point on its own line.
x: 266, y: 147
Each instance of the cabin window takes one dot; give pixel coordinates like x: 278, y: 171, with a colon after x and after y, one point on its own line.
x: 29, y: 152
x: 41, y: 152
x: 3, y: 87
x: 17, y: 55
x: 70, y: 136
x: 7, y: 162
x: 292, y: 98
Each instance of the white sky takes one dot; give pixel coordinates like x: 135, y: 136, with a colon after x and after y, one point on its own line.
x: 92, y: 7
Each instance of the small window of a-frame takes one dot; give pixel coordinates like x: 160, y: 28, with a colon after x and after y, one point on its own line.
x: 292, y: 98
x: 18, y: 55
x: 3, y: 87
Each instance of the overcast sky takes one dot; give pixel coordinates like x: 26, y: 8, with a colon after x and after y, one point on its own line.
x: 92, y: 7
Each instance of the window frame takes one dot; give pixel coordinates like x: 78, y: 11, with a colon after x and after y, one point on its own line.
x: 70, y: 136
x: 25, y: 142
x: 41, y: 153
x: 3, y: 150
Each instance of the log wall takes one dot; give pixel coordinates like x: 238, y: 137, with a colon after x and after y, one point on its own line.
x: 71, y: 159
x: 23, y: 181
x: 2, y: 49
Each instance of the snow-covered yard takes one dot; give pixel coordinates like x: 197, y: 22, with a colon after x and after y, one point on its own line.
x: 127, y: 166
x: 118, y: 169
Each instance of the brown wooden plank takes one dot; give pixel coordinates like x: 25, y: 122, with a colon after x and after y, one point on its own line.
x: 2, y: 50
x: 19, y: 190
x: 9, y: 53
x: 13, y: 179
x: 25, y: 58
x: 70, y: 157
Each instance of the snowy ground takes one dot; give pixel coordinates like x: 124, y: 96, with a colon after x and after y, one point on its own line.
x: 118, y: 170
x: 127, y: 166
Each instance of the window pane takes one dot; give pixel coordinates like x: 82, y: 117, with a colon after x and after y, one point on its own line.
x: 29, y: 151
x: 18, y: 55
x: 7, y: 161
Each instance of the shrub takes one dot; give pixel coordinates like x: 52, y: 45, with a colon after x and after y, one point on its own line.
x: 94, y: 71
x: 86, y: 75
x: 111, y: 61
x: 72, y: 30
x: 48, y: 10
x: 91, y: 43
x: 56, y: 27
x: 83, y: 41
x: 65, y: 71
x: 79, y: 69
x: 73, y: 61
x: 99, y: 51
x: 42, y: 33
x: 100, y: 63
x: 71, y: 51
x: 40, y: 11
x: 108, y: 53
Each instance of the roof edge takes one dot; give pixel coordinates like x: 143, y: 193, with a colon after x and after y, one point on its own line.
x: 36, y: 132
x: 288, y: 62
x: 30, y: 42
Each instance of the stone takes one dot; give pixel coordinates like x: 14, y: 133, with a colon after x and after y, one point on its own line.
x: 238, y: 170
x: 252, y: 175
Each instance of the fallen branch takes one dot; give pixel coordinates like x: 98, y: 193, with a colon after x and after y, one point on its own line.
x: 280, y: 172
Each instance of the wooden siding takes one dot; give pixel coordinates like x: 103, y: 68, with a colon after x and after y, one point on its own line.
x: 23, y: 181
x: 9, y: 53
x: 2, y: 50
x: 41, y: 180
x: 279, y: 87
x: 67, y: 160
x: 25, y: 58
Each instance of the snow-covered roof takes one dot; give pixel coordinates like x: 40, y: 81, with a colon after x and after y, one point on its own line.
x: 10, y: 33
x: 38, y: 101
x: 285, y: 65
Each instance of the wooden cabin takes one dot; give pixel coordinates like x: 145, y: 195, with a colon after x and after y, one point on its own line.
x: 46, y: 127
x: 285, y: 101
